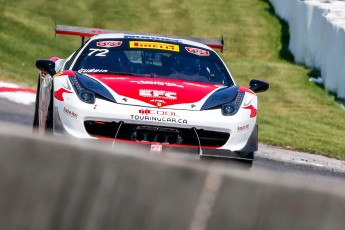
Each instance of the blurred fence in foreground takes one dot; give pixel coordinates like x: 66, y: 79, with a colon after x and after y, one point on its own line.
x: 47, y: 184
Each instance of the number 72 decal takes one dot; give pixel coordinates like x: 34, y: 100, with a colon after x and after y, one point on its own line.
x: 98, y: 52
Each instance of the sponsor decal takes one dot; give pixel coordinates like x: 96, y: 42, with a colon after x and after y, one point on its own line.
x: 152, y: 38
x: 160, y: 94
x: 156, y: 148
x: 158, y: 112
x: 195, y: 84
x: 59, y: 94
x: 154, y: 45
x: 92, y: 71
x: 160, y: 83
x: 108, y: 44
x: 117, y: 78
x: 197, y: 51
x: 252, y: 110
x: 159, y: 119
x: 158, y: 102
x: 97, y: 31
x: 242, y: 128
x: 70, y: 113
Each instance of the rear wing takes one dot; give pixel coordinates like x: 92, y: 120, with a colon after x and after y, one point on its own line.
x: 89, y: 32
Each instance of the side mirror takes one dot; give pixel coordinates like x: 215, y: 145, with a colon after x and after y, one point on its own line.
x: 46, y: 66
x: 258, y: 86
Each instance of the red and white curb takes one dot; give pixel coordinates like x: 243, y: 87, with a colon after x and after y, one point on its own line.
x: 17, y: 94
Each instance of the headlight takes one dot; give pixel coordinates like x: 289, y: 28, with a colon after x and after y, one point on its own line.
x: 228, y: 109
x: 84, y: 95
x: 87, y: 96
x: 231, y: 108
x: 229, y: 100
x: 220, y: 97
x: 87, y: 89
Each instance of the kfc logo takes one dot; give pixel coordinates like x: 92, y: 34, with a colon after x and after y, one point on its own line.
x: 160, y: 94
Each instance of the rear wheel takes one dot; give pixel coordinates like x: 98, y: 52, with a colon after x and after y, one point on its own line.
x: 36, y: 121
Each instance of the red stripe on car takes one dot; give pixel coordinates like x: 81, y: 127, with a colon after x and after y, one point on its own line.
x: 252, y: 110
x: 59, y: 94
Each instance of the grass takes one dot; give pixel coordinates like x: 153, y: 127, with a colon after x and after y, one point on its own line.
x: 294, y: 113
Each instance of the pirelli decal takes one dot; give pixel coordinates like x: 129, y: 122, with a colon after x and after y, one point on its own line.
x: 154, y: 45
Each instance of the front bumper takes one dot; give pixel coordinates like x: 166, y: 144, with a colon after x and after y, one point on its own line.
x: 161, y: 148
x: 204, y: 132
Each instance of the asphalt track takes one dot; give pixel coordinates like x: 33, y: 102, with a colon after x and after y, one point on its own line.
x: 268, y: 159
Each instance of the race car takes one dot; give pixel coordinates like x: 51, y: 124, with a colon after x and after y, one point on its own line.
x: 162, y: 92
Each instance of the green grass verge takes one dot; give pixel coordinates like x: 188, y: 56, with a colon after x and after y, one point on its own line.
x: 294, y: 113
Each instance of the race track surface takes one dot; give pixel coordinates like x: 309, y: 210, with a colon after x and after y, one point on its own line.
x: 11, y: 112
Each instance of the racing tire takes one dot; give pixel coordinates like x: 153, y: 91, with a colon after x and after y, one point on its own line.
x: 36, y: 121
x: 49, y: 119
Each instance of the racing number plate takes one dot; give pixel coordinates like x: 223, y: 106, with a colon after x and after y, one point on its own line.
x: 156, y: 148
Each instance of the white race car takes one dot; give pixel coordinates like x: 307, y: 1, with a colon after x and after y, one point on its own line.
x: 164, y: 92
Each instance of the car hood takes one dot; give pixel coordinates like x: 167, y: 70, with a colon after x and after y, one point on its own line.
x: 157, y: 92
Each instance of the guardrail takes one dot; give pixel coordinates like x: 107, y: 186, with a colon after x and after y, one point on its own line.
x: 317, y: 37
x: 51, y: 183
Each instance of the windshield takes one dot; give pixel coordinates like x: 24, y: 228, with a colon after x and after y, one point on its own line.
x: 152, y: 59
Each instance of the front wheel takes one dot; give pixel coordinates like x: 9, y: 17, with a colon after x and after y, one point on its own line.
x: 232, y: 162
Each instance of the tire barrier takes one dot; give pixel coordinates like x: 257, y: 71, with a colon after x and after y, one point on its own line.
x: 317, y: 33
x: 52, y: 183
